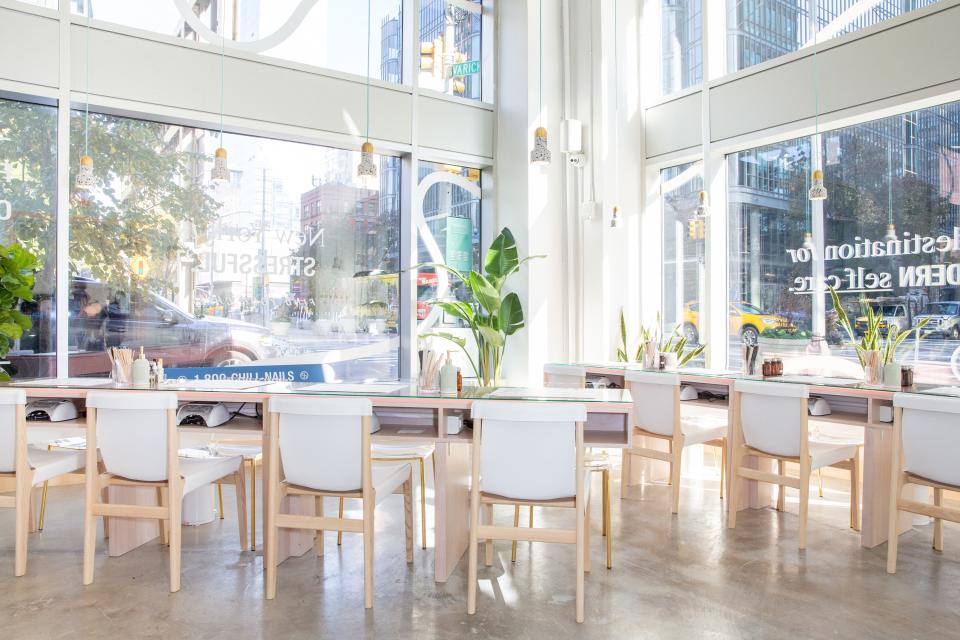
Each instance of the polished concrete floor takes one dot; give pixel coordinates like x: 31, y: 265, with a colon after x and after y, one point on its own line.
x: 682, y: 576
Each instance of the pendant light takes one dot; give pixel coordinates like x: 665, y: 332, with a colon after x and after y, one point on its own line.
x: 703, y: 206
x: 817, y: 190
x: 891, y: 234
x: 220, y: 173
x: 85, y: 180
x: 541, y: 152
x: 615, y: 217
x: 367, y: 170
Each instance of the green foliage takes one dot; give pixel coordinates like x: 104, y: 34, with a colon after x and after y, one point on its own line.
x: 491, y: 314
x: 671, y: 343
x: 17, y: 269
x: 873, y: 338
x: 786, y: 333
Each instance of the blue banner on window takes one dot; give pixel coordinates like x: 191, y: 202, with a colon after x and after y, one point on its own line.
x: 265, y: 373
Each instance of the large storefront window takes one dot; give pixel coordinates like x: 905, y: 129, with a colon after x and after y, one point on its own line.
x: 891, y: 235
x: 450, y: 47
x: 28, y: 206
x: 330, y: 34
x: 681, y: 44
x: 760, y: 30
x: 769, y: 214
x: 291, y: 262
x: 683, y: 251
x: 448, y: 232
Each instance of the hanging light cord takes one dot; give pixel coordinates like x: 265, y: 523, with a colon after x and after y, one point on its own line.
x: 816, y: 80
x: 86, y: 114
x: 368, y: 69
x: 540, y: 53
x: 616, y: 104
x: 223, y: 50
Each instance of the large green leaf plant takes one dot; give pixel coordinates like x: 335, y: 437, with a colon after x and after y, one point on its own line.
x: 17, y: 269
x: 873, y: 338
x: 491, y: 314
x: 666, y: 343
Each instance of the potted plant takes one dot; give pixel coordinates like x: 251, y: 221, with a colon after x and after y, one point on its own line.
x: 17, y: 269
x: 876, y: 348
x: 787, y: 340
x: 654, y: 340
x: 280, y: 321
x: 490, y: 314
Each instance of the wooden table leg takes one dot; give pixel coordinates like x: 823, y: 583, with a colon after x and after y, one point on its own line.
x: 127, y: 534
x: 451, y: 507
x: 877, y: 449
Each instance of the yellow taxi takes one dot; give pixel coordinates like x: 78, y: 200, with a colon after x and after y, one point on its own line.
x: 746, y: 321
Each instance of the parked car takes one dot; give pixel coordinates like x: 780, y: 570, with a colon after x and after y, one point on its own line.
x: 943, y: 319
x: 745, y: 320
x: 892, y: 312
x: 102, y: 316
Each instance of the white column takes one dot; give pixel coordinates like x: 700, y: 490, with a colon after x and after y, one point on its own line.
x: 63, y: 195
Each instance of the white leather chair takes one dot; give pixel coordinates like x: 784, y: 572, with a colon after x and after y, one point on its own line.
x: 323, y: 444
x: 571, y: 376
x: 137, y: 438
x: 29, y: 466
x: 656, y: 410
x: 926, y: 447
x: 527, y: 453
x: 771, y: 423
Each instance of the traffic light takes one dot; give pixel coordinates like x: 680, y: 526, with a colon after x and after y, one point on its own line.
x: 431, y: 58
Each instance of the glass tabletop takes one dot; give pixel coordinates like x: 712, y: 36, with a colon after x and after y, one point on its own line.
x: 398, y: 389
x: 809, y: 380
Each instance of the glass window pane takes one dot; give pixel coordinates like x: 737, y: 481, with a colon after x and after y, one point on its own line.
x: 758, y: 30
x: 838, y: 17
x: 683, y: 251
x: 450, y: 48
x: 769, y: 214
x: 28, y: 206
x: 49, y: 4
x: 681, y: 43
x: 331, y: 34
x: 291, y: 261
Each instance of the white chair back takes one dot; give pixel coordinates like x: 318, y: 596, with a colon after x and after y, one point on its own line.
x: 9, y: 399
x: 569, y: 376
x: 132, y: 432
x: 931, y: 436
x: 528, y: 450
x: 655, y: 400
x: 770, y: 415
x: 321, y: 441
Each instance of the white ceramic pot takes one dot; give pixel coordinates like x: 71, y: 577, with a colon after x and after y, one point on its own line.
x: 891, y: 375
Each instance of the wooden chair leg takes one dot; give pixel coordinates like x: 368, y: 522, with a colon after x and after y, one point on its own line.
x: 270, y: 534
x: 220, y: 498
x: 586, y: 538
x: 893, y: 534
x: 938, y: 522
x: 32, y: 511
x: 607, y: 519
x: 22, y: 516
x: 162, y: 522
x: 734, y: 493
x: 472, y: 553
x: 340, y: 532
x: 804, y: 500
x: 89, y: 530
x: 581, y: 564
x: 423, y: 507
x: 368, y: 553
x: 516, y: 524
x: 488, y: 543
x: 318, y: 538
x: 855, y: 492
x: 781, y: 488
x: 176, y: 529
x: 408, y: 513
x: 625, y: 462
x: 723, y: 467
x: 240, y: 486
x: 677, y: 450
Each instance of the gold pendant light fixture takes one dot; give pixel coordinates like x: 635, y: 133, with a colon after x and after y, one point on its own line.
x: 220, y: 174
x: 367, y: 170
x: 540, y: 154
x: 85, y: 180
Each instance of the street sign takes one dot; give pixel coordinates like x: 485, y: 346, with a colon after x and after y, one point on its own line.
x: 466, y: 68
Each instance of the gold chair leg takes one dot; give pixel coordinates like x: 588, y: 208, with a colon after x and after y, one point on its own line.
x: 43, y: 505
x: 606, y: 501
x: 220, y: 498
x: 423, y: 508
x: 253, y: 505
x: 516, y: 523
x: 820, y: 482
x: 607, y: 517
x: 340, y: 515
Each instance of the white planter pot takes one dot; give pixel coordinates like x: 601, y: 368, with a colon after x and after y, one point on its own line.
x: 279, y: 328
x: 891, y: 375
